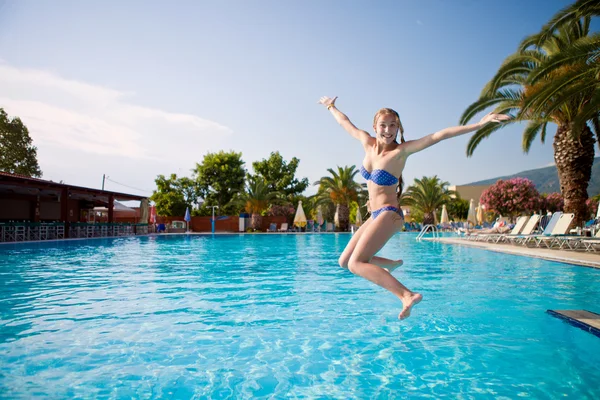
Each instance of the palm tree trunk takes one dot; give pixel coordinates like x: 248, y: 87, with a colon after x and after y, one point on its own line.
x: 256, y: 221
x: 574, y: 159
x: 428, y: 219
x: 343, y: 213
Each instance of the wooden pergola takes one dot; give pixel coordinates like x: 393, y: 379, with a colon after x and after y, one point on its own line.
x: 31, y: 199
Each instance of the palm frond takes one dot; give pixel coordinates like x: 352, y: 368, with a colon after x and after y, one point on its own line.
x: 580, y: 92
x: 514, y: 65
x: 582, y: 77
x: 510, y: 95
x: 585, y: 50
x: 588, y: 112
x: 595, y: 122
x: 426, y: 194
x: 529, y: 41
x: 482, y: 134
x: 543, y: 134
x: 575, y: 11
x: 530, y: 133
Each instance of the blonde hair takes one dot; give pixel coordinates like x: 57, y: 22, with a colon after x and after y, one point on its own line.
x: 389, y: 111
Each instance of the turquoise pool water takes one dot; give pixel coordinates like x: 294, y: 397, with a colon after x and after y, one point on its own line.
x: 273, y: 316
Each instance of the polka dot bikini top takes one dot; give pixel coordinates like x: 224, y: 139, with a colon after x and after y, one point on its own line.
x: 379, y: 176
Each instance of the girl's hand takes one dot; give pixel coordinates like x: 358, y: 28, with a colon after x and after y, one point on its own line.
x: 491, y: 117
x: 327, y: 101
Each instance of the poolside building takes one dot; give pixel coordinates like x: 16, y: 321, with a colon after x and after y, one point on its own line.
x: 468, y: 192
x: 37, y: 209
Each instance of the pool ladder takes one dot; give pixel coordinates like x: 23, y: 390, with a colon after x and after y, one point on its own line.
x: 427, y: 228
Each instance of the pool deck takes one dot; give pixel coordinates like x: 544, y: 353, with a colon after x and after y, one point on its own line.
x: 585, y: 259
x: 586, y: 320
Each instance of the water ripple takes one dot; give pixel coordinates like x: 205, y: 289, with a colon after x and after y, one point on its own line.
x: 272, y: 316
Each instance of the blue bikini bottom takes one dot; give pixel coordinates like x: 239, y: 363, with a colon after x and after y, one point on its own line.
x: 388, y: 208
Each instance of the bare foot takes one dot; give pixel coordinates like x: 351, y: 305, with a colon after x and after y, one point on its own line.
x: 391, y: 268
x: 408, y: 303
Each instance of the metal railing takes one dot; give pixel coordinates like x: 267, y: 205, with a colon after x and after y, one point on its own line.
x: 428, y: 228
x: 36, y: 231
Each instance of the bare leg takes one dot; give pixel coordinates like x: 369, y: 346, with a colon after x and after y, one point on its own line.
x: 385, y: 263
x: 373, y: 238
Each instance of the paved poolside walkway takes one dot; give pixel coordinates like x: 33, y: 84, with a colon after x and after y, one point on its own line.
x: 586, y: 259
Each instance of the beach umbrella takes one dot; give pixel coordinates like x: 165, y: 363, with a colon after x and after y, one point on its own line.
x: 319, y: 217
x: 471, y: 217
x: 153, y: 214
x: 187, y: 217
x: 336, y: 217
x: 359, y: 220
x: 300, y: 217
x: 118, y: 207
x: 479, y: 214
x: 598, y: 212
x: 444, y: 220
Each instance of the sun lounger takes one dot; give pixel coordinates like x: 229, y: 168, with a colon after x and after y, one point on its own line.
x: 525, y: 239
x: 560, y: 229
x: 497, y: 237
x: 573, y: 242
x: 477, y: 234
x: 284, y: 227
x: 527, y: 229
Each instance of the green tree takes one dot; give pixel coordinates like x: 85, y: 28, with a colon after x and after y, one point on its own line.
x: 280, y: 175
x: 219, y: 178
x: 426, y: 196
x: 529, y: 90
x: 255, y: 199
x: 457, y: 208
x: 173, y: 195
x: 340, y: 189
x: 17, y: 153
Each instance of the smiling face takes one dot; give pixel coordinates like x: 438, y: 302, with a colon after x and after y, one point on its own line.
x: 386, y: 127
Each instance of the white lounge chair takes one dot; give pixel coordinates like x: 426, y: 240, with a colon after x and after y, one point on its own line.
x: 561, y: 229
x: 496, y: 237
x: 527, y: 230
x: 573, y: 242
x: 284, y: 227
x: 524, y: 239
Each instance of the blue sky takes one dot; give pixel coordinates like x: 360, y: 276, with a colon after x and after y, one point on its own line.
x: 133, y: 89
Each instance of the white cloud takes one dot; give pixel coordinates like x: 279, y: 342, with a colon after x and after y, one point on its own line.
x: 94, y: 119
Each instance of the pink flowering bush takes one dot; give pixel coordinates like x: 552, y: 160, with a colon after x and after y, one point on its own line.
x: 552, y: 202
x: 281, y: 210
x: 511, y: 197
x: 592, y: 206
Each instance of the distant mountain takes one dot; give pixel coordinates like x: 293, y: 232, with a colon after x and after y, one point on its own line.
x: 546, y: 179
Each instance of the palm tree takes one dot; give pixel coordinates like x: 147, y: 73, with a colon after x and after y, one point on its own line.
x: 520, y: 90
x: 427, y: 195
x: 339, y: 189
x: 255, y: 199
x: 574, y: 12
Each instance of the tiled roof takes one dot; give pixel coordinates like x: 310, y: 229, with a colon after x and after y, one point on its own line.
x: 3, y: 173
x: 32, y: 181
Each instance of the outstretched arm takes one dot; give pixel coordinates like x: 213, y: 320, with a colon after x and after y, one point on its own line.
x: 414, y: 146
x: 343, y: 120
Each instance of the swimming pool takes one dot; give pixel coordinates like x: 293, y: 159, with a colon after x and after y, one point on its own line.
x: 263, y: 316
